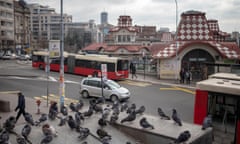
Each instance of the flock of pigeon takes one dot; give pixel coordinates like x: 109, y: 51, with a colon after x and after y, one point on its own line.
x: 108, y: 115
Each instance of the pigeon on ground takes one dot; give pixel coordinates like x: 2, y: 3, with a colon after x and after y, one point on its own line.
x: 21, y: 140
x: 4, y: 137
x: 84, y: 132
x: 47, y: 139
x: 131, y: 108
x: 106, y: 140
x: 100, y: 100
x: 131, y: 117
x: 145, y: 124
x: 101, y: 133
x: 88, y: 113
x: 49, y: 130
x: 162, y: 114
x: 176, y: 118
x: 26, y: 130
x: 113, y: 118
x: 29, y: 119
x: 141, y: 110
x: 102, y: 122
x: 183, y: 137
x: 64, y: 110
x: 97, y: 108
x: 9, y: 124
x: 78, y: 118
x: 115, y: 105
x: 207, y: 122
x: 42, y: 119
x: 71, y: 122
x: 62, y: 121
x: 79, y: 105
x: 84, y: 142
x: 72, y: 107
x: 53, y: 111
x: 105, y: 113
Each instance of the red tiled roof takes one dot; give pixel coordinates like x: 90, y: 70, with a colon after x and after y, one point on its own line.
x: 94, y: 46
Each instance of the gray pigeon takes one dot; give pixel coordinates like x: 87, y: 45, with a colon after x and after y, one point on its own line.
x: 183, y: 137
x: 113, y: 118
x: 102, y: 122
x: 4, y: 137
x: 72, y: 107
x: 105, y: 113
x: 162, y: 114
x: 28, y: 118
x: 64, y: 110
x: 42, y: 119
x: 26, y: 130
x: 131, y: 117
x: 62, y: 121
x: 21, y: 140
x: 141, y: 110
x: 47, y: 139
x: 9, y: 125
x: 84, y: 132
x: 207, y: 122
x: 101, y: 133
x: 124, y: 107
x: 145, y: 124
x: 79, y: 105
x: 71, y: 122
x: 176, y: 118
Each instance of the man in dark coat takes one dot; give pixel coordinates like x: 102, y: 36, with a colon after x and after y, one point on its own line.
x: 20, y: 106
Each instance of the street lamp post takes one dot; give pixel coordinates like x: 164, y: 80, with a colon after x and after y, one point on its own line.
x: 176, y: 39
x: 61, y: 77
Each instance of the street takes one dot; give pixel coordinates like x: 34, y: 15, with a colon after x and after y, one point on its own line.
x: 33, y: 83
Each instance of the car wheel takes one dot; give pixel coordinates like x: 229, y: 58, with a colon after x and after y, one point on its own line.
x: 85, y: 94
x: 114, y: 98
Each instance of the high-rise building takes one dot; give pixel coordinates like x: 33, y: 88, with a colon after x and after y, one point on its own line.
x: 6, y: 25
x: 45, y: 24
x: 104, y: 18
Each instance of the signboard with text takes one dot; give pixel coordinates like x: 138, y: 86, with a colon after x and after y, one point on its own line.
x: 54, y: 48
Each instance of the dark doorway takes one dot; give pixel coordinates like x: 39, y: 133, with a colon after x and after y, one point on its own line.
x: 194, y: 61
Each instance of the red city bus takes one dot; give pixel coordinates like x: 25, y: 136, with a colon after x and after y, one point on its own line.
x: 219, y: 96
x: 87, y: 64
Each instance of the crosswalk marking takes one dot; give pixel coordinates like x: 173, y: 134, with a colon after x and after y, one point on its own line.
x: 179, y: 89
x: 53, y: 97
x: 135, y: 83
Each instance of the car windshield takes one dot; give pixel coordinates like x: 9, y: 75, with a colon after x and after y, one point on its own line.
x: 112, y: 84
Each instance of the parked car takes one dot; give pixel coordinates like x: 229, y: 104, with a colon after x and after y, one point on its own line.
x: 92, y: 86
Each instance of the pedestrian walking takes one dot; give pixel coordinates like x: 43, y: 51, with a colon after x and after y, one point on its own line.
x: 182, y: 75
x: 20, y: 106
x: 134, y: 71
x: 188, y: 76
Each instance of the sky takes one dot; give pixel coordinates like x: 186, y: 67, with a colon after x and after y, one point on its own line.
x: 159, y: 13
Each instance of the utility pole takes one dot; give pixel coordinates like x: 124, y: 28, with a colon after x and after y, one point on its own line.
x: 176, y: 39
x: 61, y: 77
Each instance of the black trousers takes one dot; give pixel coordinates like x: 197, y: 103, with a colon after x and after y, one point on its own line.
x: 21, y: 111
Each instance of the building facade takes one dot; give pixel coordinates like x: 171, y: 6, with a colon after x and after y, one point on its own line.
x: 22, y: 33
x: 45, y: 25
x: 6, y: 25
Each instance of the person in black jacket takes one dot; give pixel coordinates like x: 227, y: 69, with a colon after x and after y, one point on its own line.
x: 20, y: 106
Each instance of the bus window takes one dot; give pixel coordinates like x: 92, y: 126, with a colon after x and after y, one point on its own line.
x: 122, y: 65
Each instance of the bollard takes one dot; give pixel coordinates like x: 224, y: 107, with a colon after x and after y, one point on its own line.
x: 38, y: 105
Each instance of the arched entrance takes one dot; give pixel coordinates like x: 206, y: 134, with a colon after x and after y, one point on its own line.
x: 194, y: 62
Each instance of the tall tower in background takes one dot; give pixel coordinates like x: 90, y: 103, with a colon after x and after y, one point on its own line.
x: 104, y: 17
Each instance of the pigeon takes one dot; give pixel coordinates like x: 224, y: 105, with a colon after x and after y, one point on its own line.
x: 98, y: 108
x: 162, y: 114
x: 79, y: 105
x: 47, y: 139
x: 88, y: 113
x: 43, y: 118
x: 9, y: 123
x: 26, y: 130
x: 78, y: 118
x: 106, y: 140
x: 101, y: 133
x: 53, y: 111
x: 145, y: 124
x: 175, y: 117
x: 84, y: 142
x: 72, y: 107
x: 115, y: 105
x: 28, y: 118
x: 102, y: 122
x: 131, y: 108
x: 124, y: 107
x: 21, y: 140
x: 84, y: 132
x: 129, y: 118
x: 64, y: 110
x: 49, y: 130
x: 4, y: 137
x: 71, y: 122
x: 62, y: 121
x: 140, y: 110
x: 183, y: 137
x: 207, y: 122
x: 113, y: 118
x: 100, y: 100
x: 105, y: 113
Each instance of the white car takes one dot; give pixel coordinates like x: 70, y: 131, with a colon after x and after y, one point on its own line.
x: 92, y: 86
